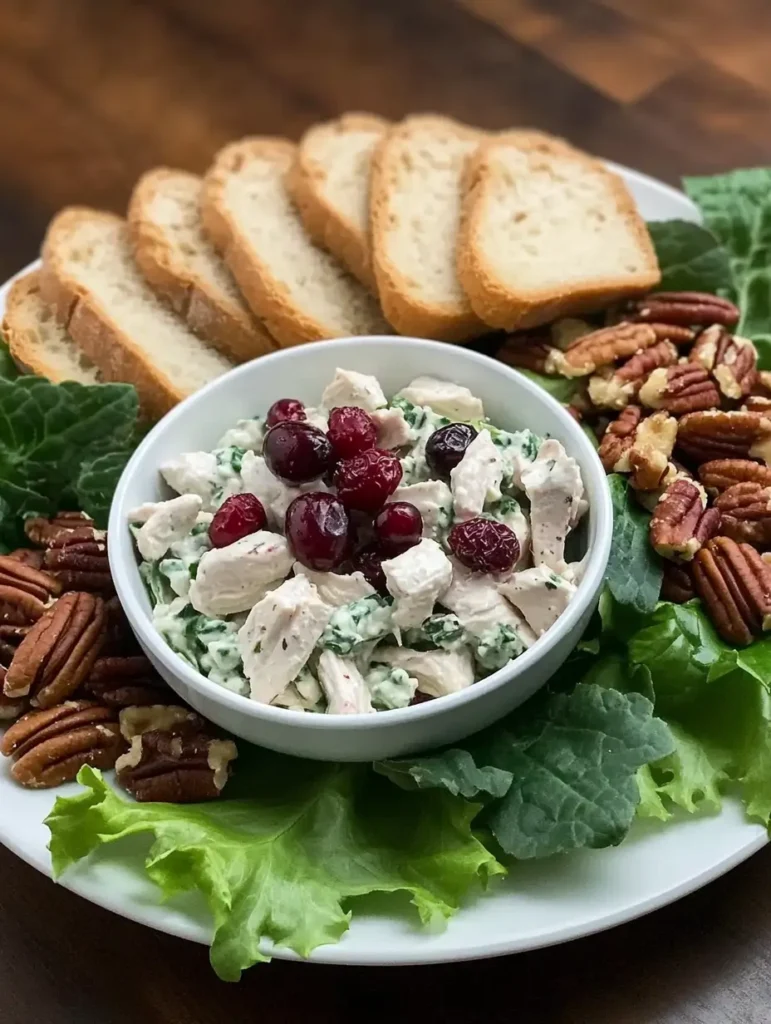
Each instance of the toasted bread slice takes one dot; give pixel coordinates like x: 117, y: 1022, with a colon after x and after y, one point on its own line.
x: 37, y: 342
x: 329, y: 183
x: 548, y: 231
x: 415, y: 205
x: 179, y: 262
x: 97, y: 293
x: 298, y: 290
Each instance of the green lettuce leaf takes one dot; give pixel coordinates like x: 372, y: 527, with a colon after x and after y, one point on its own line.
x: 561, y: 388
x: 690, y: 257
x: 634, y: 569
x: 280, y: 862
x: 8, y: 368
x: 678, y: 647
x: 572, y: 759
x: 47, y: 432
x: 455, y: 770
x: 737, y: 209
x: 97, y: 481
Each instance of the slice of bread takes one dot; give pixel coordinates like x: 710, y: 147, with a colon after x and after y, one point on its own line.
x: 299, y: 291
x: 329, y: 183
x: 179, y: 262
x: 415, y: 201
x: 548, y: 231
x: 97, y: 293
x: 37, y: 342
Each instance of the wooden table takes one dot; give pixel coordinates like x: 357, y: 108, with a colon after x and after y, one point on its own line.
x: 92, y: 92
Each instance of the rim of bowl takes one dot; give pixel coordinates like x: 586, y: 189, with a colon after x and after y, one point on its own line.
x: 123, y: 558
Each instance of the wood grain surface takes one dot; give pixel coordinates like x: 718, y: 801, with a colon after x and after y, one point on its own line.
x: 92, y: 92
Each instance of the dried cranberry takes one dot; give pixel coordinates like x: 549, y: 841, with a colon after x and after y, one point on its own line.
x: 484, y: 545
x: 447, y: 446
x: 318, y: 528
x: 297, y: 452
x: 369, y: 561
x: 237, y: 517
x: 398, y: 526
x: 366, y: 481
x: 351, y: 431
x: 285, y: 409
x: 420, y: 698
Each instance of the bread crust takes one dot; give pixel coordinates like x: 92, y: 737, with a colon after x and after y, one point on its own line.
x: 408, y: 313
x: 267, y: 296
x: 20, y: 335
x: 325, y: 223
x: 97, y: 334
x: 493, y: 301
x: 213, y: 317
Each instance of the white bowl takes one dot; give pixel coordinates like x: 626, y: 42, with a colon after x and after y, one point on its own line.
x: 511, y: 401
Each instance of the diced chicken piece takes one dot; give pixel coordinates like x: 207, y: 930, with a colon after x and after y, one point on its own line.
x: 437, y: 672
x: 233, y: 578
x: 248, y: 434
x: 555, y: 489
x: 164, y: 523
x: 541, y: 595
x: 279, y: 635
x: 192, y: 473
x: 304, y: 694
x: 477, y: 477
x: 275, y: 495
x: 433, y: 499
x: 317, y: 418
x: 343, y: 685
x: 336, y: 589
x: 351, y: 388
x: 575, y: 570
x: 475, y: 600
x: 393, y: 430
x: 448, y: 399
x: 416, y: 579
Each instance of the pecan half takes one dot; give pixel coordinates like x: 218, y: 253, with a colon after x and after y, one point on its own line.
x: 730, y: 359
x: 600, y: 348
x: 25, y: 592
x: 613, y: 389
x: 679, y: 389
x: 10, y: 638
x: 686, y: 309
x: 10, y: 707
x: 618, y: 439
x: 757, y: 403
x: 526, y: 351
x: 171, y: 757
x: 79, y: 564
x: 746, y: 511
x: 125, y: 682
x: 734, y: 583
x: 676, y: 584
x: 710, y: 435
x: 50, y: 747
x: 640, y: 446
x: 681, y: 522
x: 119, y: 640
x: 721, y: 474
x: 42, y: 531
x: 59, y: 651
x: 28, y: 556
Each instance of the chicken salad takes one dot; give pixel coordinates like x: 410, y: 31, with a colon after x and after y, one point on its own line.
x: 363, y: 555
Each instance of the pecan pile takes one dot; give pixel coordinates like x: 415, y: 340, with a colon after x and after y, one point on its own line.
x: 678, y: 405
x: 74, y: 685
